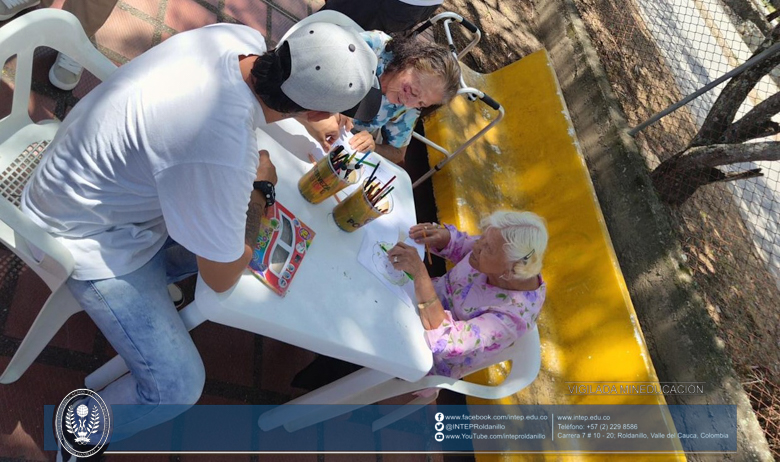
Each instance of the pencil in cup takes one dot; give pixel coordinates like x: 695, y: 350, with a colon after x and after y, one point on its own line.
x: 324, y: 180
x: 357, y: 210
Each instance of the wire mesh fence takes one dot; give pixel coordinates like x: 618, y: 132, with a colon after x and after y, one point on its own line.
x: 727, y: 213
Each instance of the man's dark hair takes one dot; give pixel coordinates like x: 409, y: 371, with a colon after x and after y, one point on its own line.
x: 270, y: 71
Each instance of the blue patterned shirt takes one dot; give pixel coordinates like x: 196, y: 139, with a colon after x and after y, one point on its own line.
x: 395, y: 120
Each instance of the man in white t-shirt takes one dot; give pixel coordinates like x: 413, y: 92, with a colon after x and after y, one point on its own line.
x: 155, y: 175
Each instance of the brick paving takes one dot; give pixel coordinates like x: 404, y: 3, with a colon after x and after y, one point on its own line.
x: 245, y: 369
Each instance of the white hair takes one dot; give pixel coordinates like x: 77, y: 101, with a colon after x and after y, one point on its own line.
x: 526, y: 237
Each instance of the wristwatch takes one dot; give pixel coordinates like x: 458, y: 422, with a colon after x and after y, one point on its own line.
x: 267, y: 189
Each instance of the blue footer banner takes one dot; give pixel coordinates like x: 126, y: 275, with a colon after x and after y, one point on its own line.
x: 432, y: 428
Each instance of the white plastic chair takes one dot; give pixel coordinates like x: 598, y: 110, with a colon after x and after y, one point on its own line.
x: 525, y: 355
x: 22, y: 143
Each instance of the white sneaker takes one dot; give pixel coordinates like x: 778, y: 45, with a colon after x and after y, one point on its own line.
x: 10, y: 8
x: 65, y: 73
x: 177, y: 296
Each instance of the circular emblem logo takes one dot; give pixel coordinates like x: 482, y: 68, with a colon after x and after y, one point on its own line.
x: 83, y: 423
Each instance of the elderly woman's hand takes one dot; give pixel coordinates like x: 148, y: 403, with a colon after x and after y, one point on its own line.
x: 405, y: 258
x: 431, y: 234
x: 362, y: 142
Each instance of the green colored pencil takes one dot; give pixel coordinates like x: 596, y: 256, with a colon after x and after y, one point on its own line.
x: 382, y: 246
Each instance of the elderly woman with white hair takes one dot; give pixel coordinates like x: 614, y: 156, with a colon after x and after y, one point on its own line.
x: 489, y: 299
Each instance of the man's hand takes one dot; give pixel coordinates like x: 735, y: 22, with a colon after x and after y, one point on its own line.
x: 266, y: 170
x: 362, y: 142
x: 345, y: 122
x: 326, y: 131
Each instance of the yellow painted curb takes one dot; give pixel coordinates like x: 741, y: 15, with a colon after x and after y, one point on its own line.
x: 531, y: 161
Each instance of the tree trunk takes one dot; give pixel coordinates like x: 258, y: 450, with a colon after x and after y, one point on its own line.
x: 678, y: 177
x: 725, y: 108
x: 721, y: 140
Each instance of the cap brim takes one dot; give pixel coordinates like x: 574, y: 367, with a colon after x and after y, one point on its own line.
x: 368, y: 108
x: 330, y: 16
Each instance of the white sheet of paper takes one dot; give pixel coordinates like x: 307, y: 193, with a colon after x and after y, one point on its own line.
x: 386, y: 230
x: 374, y: 258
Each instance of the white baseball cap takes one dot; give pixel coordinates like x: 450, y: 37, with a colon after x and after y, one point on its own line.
x: 332, y: 69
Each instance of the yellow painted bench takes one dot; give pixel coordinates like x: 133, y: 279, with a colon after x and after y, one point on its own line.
x: 531, y: 161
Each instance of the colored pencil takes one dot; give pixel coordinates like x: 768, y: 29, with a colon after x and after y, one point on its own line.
x: 382, y: 246
x: 371, y: 177
x: 336, y: 151
x: 384, y: 194
x: 371, y: 191
x: 386, y: 185
x: 364, y: 158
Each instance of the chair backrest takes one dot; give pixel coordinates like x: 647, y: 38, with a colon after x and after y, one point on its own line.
x: 17, y: 231
x: 528, y: 343
x: 526, y: 358
x: 51, y: 28
x: 23, y: 142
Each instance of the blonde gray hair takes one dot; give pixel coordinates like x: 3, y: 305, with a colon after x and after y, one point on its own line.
x: 526, y: 238
x: 428, y: 58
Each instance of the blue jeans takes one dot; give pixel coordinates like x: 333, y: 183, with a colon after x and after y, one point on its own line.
x: 137, y: 316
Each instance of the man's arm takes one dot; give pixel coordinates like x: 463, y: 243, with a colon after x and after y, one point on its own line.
x: 222, y: 276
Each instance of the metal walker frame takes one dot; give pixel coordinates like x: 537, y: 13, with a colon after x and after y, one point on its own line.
x: 471, y: 93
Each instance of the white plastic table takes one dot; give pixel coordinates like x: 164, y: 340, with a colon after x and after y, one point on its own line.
x: 334, y: 306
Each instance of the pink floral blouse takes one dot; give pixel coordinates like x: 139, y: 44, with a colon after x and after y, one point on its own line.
x: 481, y: 319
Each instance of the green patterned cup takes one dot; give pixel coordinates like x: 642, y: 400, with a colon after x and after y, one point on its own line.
x: 321, y: 181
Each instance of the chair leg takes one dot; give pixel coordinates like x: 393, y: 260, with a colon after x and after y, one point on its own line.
x: 191, y: 315
x: 320, y: 413
x: 369, y: 395
x: 403, y: 411
x: 107, y: 373
x: 317, y: 406
x: 116, y: 367
x: 58, y: 308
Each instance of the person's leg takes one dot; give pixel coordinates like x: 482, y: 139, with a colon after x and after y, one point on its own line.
x: 10, y: 8
x: 361, y: 11
x: 92, y: 14
x: 136, y: 315
x: 397, y: 16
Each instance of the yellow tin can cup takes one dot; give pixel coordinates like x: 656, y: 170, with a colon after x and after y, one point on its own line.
x: 322, y: 181
x: 356, y: 210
